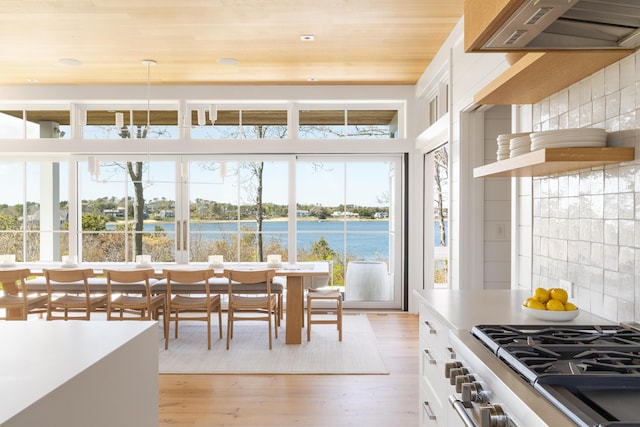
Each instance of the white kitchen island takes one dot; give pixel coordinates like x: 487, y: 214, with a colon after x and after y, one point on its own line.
x: 78, y: 373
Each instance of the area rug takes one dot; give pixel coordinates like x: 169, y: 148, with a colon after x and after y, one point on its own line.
x: 249, y: 352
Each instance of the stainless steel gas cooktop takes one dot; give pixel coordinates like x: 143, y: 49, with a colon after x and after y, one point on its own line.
x: 590, y: 372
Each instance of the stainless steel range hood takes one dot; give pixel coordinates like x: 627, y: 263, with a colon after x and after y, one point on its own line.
x: 569, y: 25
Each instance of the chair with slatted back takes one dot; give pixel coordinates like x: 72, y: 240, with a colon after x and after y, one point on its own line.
x: 15, y: 300
x: 181, y: 299
x: 77, y: 303
x: 251, y: 306
x: 129, y: 296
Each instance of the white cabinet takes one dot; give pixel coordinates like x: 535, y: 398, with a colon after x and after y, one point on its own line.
x: 434, y: 354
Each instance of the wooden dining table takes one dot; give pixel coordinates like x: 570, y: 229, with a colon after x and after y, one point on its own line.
x: 294, y: 274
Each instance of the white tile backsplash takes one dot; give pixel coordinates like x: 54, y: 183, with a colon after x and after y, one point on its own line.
x: 611, y: 79
x: 586, y: 224
x: 627, y: 71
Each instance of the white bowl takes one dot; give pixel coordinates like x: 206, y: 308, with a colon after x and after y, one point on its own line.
x: 550, y: 315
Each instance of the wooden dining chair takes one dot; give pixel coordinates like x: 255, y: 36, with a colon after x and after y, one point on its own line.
x: 15, y: 300
x: 331, y: 296
x: 129, y: 296
x: 80, y: 300
x: 183, y: 299
x: 251, y: 306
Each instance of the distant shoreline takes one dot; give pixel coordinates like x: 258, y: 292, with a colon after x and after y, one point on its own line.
x: 282, y: 219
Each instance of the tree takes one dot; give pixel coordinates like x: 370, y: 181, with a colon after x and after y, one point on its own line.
x: 257, y: 170
x: 93, y: 222
x: 135, y: 172
x: 320, y: 250
x: 254, y: 182
x: 440, y: 175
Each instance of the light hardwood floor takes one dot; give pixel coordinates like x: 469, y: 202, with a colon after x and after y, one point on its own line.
x: 305, y: 400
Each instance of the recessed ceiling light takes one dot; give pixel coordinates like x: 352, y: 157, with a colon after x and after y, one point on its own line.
x: 33, y: 80
x: 228, y: 61
x: 312, y: 79
x: 69, y: 61
x: 307, y: 37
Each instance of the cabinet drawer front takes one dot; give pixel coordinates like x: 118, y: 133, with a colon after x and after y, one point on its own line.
x: 432, y: 413
x: 432, y: 369
x: 433, y: 332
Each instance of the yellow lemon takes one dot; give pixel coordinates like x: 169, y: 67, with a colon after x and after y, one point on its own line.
x: 535, y: 304
x: 542, y: 295
x: 569, y: 306
x: 559, y: 294
x: 555, y: 305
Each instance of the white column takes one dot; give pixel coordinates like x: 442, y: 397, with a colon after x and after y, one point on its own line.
x: 49, y: 211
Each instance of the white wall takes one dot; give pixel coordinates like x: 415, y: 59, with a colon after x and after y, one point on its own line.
x: 497, y: 206
x: 586, y: 223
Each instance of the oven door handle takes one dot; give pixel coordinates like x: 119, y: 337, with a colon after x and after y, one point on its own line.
x: 458, y: 406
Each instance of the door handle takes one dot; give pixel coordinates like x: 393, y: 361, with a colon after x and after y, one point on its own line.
x: 178, y: 235
x: 184, y: 235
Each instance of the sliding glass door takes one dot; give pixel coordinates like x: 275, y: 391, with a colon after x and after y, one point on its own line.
x: 184, y: 208
x: 238, y: 208
x: 348, y: 214
x: 127, y: 208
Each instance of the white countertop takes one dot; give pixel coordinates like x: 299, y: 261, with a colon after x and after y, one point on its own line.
x: 462, y: 309
x: 38, y: 356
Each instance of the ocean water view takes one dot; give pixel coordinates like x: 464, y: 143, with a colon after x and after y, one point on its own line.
x: 363, y: 240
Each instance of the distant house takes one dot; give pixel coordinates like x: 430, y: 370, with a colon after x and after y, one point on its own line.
x: 113, y: 213
x: 380, y: 215
x: 302, y: 212
x: 345, y: 214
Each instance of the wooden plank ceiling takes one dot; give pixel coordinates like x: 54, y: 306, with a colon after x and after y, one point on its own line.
x: 102, y: 42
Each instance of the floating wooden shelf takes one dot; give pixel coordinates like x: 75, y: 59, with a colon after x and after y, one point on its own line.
x: 554, y: 160
x: 538, y: 75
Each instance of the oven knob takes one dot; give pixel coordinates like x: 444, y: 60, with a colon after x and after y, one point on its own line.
x: 472, y: 392
x: 456, y: 372
x: 449, y: 366
x: 463, y: 379
x: 493, y: 416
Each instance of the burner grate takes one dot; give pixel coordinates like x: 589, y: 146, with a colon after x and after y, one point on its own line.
x: 496, y: 336
x: 591, y: 373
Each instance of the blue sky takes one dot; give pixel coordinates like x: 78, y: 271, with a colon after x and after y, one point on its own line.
x: 367, y: 183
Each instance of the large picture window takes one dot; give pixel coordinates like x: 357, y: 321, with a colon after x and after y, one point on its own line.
x: 223, y: 123
x: 238, y: 209
x: 34, y: 210
x: 110, y: 193
x: 127, y: 209
x: 436, y: 225
x: 348, y: 124
x: 34, y: 124
x: 129, y: 123
x: 345, y: 213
